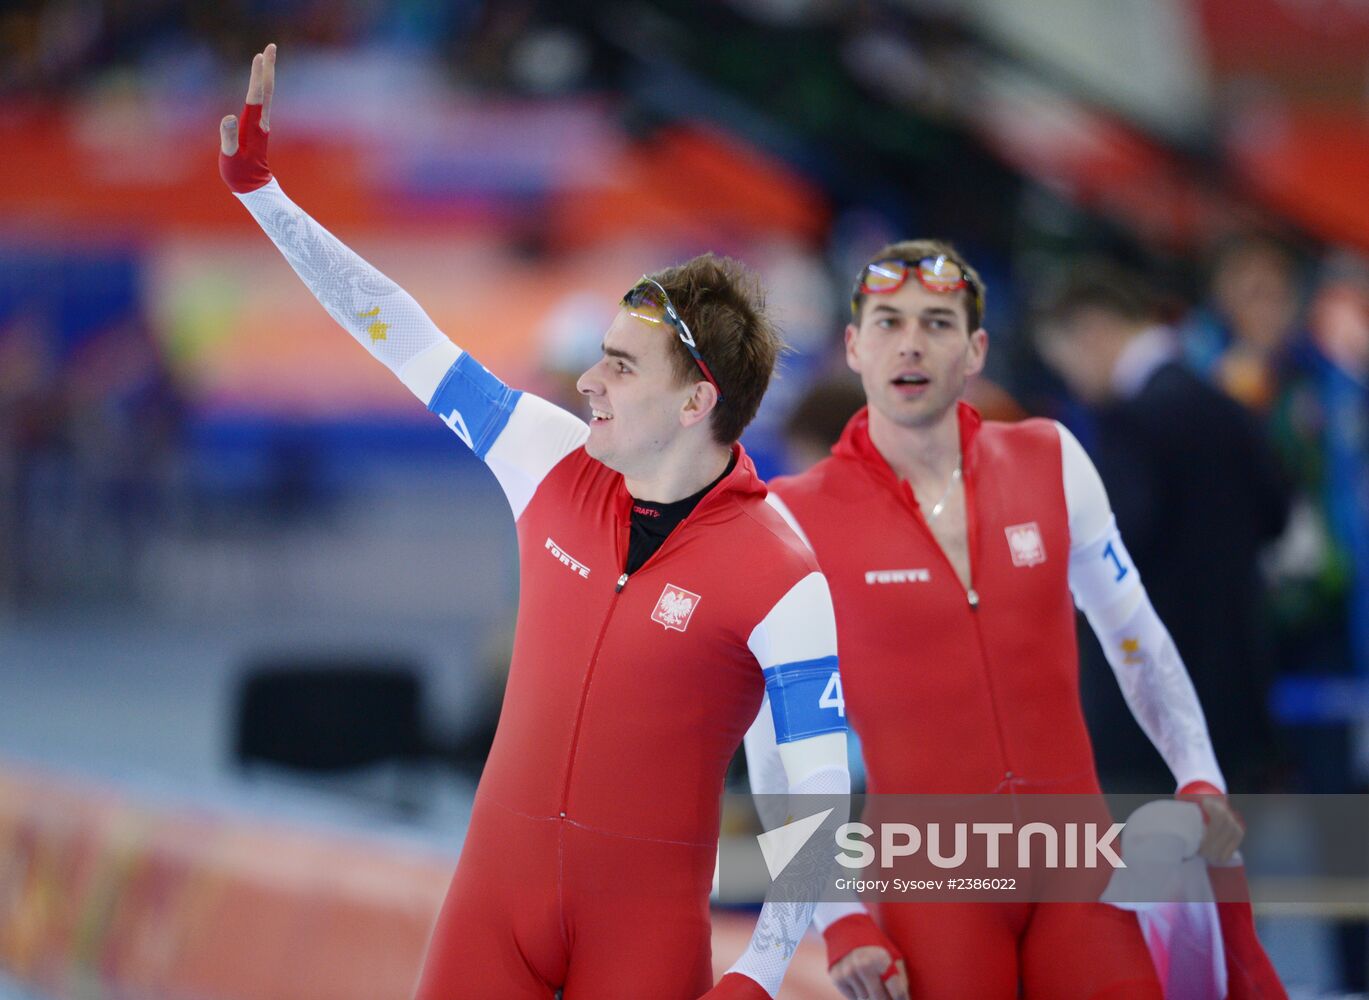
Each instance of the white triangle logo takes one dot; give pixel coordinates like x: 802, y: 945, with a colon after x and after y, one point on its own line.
x: 779, y: 846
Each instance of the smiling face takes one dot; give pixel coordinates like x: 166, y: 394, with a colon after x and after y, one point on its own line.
x: 639, y: 406
x: 914, y: 352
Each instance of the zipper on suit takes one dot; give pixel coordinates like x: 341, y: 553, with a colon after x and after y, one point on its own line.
x: 584, y: 692
x: 972, y: 601
x: 603, y: 631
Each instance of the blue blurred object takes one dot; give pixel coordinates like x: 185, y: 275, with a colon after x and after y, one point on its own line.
x: 76, y: 293
x: 1320, y: 700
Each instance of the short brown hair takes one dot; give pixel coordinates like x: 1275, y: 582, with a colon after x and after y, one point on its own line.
x: 723, y: 304
x: 1098, y: 285
x: 916, y: 250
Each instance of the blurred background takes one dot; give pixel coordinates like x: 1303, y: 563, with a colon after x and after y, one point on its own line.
x: 254, y: 604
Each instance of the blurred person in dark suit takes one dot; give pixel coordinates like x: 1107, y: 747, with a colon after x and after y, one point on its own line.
x: 1197, y: 493
x: 1240, y: 338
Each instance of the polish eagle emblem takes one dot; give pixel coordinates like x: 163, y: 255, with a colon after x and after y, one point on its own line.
x: 675, y: 607
x: 1024, y: 541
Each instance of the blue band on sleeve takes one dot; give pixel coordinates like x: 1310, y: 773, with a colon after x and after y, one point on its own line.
x: 806, y: 699
x: 474, y: 404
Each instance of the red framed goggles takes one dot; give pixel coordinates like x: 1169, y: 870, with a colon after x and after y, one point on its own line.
x: 648, y: 292
x: 936, y: 274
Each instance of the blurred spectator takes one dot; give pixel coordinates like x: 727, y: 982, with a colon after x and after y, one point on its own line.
x: 126, y: 456
x: 1197, y: 493
x: 89, y: 447
x: 1240, y: 337
x: 817, y: 420
x: 32, y: 433
x: 1339, y: 354
x: 569, y: 342
x: 993, y: 401
x: 1319, y: 422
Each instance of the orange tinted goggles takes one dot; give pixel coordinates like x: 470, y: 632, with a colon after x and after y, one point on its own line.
x: 936, y: 274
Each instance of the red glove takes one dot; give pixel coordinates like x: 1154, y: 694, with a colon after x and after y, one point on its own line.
x: 1194, y: 788
x: 1223, y: 829
x: 857, y: 931
x: 735, y: 986
x: 1197, y: 791
x: 246, y: 170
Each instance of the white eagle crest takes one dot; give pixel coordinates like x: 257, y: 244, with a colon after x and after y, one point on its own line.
x: 675, y: 607
x: 1024, y: 541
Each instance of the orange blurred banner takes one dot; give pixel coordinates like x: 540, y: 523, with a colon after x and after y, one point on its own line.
x: 101, y: 894
x: 112, y: 169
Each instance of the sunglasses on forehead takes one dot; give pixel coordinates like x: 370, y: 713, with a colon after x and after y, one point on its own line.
x: 649, y: 292
x: 936, y: 274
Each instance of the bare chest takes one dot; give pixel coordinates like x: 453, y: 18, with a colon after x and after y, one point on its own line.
x: 948, y: 528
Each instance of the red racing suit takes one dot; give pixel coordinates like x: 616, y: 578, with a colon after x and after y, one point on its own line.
x: 973, y: 690
x: 986, y: 679
x: 591, y: 850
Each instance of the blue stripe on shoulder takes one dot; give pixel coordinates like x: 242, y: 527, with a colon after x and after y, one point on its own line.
x: 474, y: 404
x: 806, y: 699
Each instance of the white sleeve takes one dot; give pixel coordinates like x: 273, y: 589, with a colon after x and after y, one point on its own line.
x: 520, y: 436
x: 796, y: 747
x: 773, y: 499
x: 796, y: 647
x: 1107, y: 588
x: 813, y: 773
x: 765, y: 769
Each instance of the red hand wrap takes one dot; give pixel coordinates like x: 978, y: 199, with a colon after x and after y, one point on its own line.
x: 1194, y: 792
x: 246, y: 170
x: 857, y: 931
x: 1199, y: 788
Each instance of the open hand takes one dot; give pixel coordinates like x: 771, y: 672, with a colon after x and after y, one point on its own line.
x: 862, y: 962
x: 870, y: 973
x: 242, y: 144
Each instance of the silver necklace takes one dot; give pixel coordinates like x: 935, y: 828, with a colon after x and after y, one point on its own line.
x: 940, y: 505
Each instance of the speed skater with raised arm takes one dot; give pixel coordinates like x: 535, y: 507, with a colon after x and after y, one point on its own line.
x: 660, y: 600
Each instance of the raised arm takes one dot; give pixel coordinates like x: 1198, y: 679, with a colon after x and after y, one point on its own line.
x: 521, y: 437
x: 1107, y: 588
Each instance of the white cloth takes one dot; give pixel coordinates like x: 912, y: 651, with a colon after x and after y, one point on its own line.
x: 1182, y: 929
